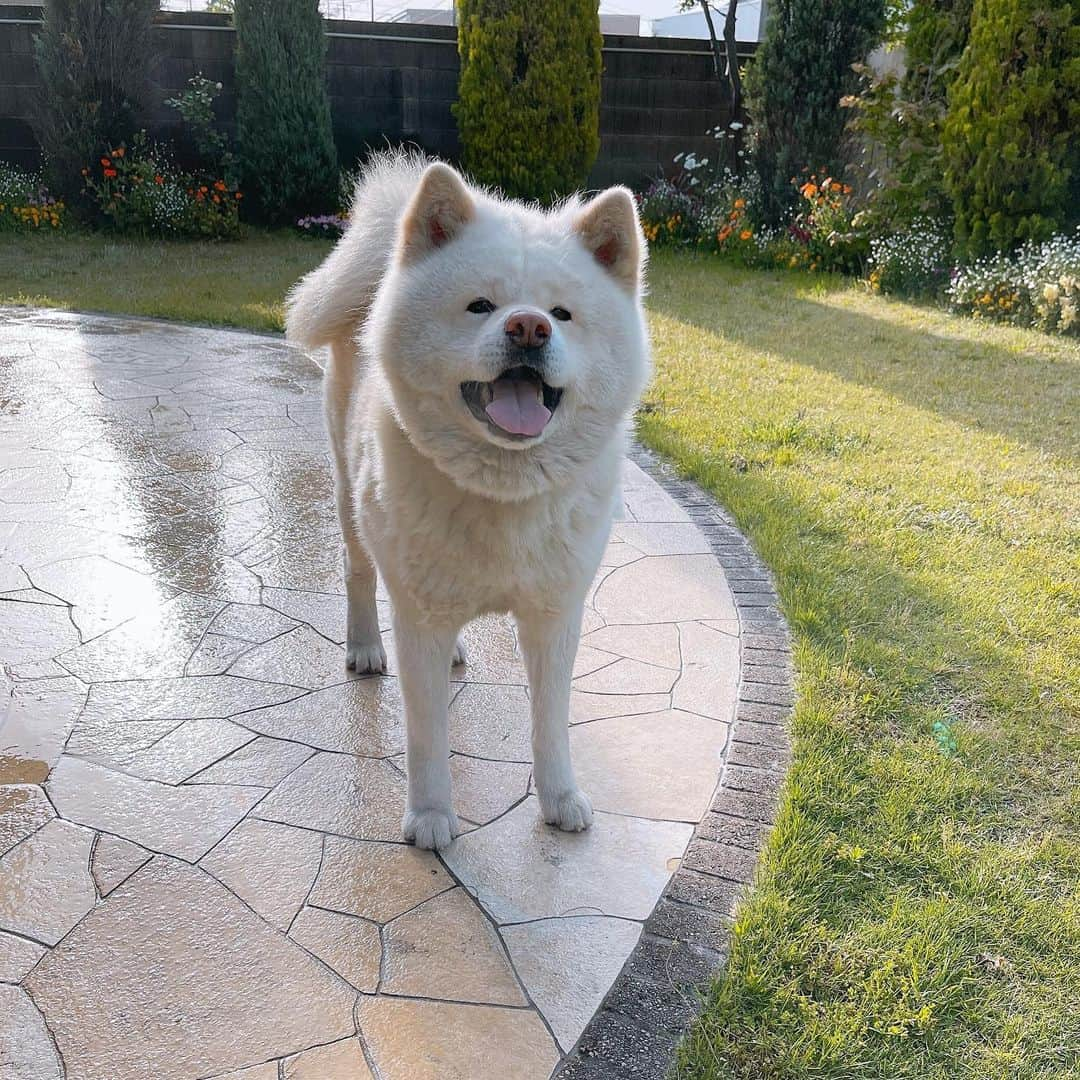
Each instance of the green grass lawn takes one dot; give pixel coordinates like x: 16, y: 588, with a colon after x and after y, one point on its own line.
x: 912, y: 480
x: 238, y: 284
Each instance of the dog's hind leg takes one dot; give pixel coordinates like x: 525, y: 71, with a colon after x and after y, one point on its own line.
x: 549, y: 644
x: 364, y: 650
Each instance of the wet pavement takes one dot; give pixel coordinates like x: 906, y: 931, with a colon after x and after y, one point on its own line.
x: 201, y: 868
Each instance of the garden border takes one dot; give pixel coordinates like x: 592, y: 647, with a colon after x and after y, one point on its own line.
x: 661, y: 988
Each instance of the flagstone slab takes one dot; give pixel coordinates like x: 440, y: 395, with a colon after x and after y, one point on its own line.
x: 181, y: 821
x: 45, y: 882
x: 519, y: 868
x: 376, y: 881
x: 173, y: 977
x: 23, y: 810
x: 114, y: 860
x: 437, y: 1040
x: 446, y: 948
x: 26, y: 1048
x: 18, y: 955
x: 342, y: 1060
x: 270, y: 866
x: 568, y: 965
x: 350, y: 946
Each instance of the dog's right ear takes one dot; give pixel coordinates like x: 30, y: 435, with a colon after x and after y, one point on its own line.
x: 440, y: 208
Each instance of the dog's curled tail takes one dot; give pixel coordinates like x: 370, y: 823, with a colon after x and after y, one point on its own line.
x: 331, y: 302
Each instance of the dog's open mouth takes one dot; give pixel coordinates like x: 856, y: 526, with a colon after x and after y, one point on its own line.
x: 518, y: 404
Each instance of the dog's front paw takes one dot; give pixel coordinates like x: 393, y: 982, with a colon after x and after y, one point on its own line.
x: 571, y: 811
x: 430, y: 829
x: 460, y: 655
x: 365, y: 658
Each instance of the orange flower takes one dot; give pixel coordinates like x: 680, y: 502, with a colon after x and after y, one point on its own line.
x: 219, y: 185
x: 238, y: 195
x: 848, y: 189
x: 809, y: 190
x: 740, y: 204
x: 745, y: 234
x: 733, y: 216
x: 118, y: 152
x: 835, y: 186
x: 159, y: 179
x: 105, y: 162
x: 217, y: 198
x: 724, y: 233
x: 110, y: 173
x: 204, y: 189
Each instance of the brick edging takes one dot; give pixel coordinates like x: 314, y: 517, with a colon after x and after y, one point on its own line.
x: 660, y: 990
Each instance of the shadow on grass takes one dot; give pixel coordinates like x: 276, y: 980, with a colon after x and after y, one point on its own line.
x: 1029, y: 394
x: 838, y: 950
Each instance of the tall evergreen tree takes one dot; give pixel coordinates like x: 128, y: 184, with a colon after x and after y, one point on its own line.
x: 1010, y: 139
x: 94, y: 58
x: 285, y: 139
x: 801, y: 71
x: 528, y: 107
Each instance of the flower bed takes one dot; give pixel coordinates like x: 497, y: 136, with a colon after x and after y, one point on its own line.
x: 25, y: 202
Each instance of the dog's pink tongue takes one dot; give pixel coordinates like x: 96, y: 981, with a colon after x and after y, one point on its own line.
x: 517, y: 407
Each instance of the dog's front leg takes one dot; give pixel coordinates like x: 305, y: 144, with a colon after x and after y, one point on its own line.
x: 550, y: 643
x: 423, y: 654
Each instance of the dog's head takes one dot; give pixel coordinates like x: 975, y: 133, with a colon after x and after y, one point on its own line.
x: 512, y: 338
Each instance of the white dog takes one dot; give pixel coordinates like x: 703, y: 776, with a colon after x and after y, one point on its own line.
x: 484, y: 358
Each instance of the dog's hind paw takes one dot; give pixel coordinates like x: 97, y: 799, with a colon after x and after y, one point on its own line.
x: 571, y: 812
x: 366, y: 659
x: 460, y: 655
x: 430, y: 829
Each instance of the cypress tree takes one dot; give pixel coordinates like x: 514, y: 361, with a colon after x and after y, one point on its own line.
x: 801, y: 71
x: 1012, y: 157
x: 284, y: 136
x: 528, y: 108
x: 94, y: 58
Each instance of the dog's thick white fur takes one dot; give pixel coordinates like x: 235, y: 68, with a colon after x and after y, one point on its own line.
x: 435, y: 290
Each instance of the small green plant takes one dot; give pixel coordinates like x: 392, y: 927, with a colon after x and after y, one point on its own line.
x: 196, y: 108
x: 528, y: 108
x: 1012, y: 158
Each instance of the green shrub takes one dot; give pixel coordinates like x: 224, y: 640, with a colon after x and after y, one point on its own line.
x: 136, y: 188
x: 528, y: 107
x: 900, y: 118
x: 285, y: 140
x: 93, y: 59
x: 801, y: 71
x: 1012, y: 157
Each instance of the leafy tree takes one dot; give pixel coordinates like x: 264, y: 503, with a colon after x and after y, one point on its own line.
x: 285, y: 140
x: 802, y: 69
x: 528, y: 107
x: 900, y: 118
x: 1012, y: 157
x: 94, y: 59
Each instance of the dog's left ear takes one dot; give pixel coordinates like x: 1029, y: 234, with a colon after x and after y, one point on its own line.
x: 440, y: 208
x: 608, y: 227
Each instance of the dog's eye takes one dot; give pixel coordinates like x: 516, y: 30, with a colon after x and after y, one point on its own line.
x: 481, y: 306
x: 561, y: 314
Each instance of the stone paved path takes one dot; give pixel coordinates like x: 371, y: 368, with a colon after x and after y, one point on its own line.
x: 201, y: 872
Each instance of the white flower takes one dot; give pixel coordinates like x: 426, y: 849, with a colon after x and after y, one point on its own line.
x: 1051, y: 294
x: 735, y: 125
